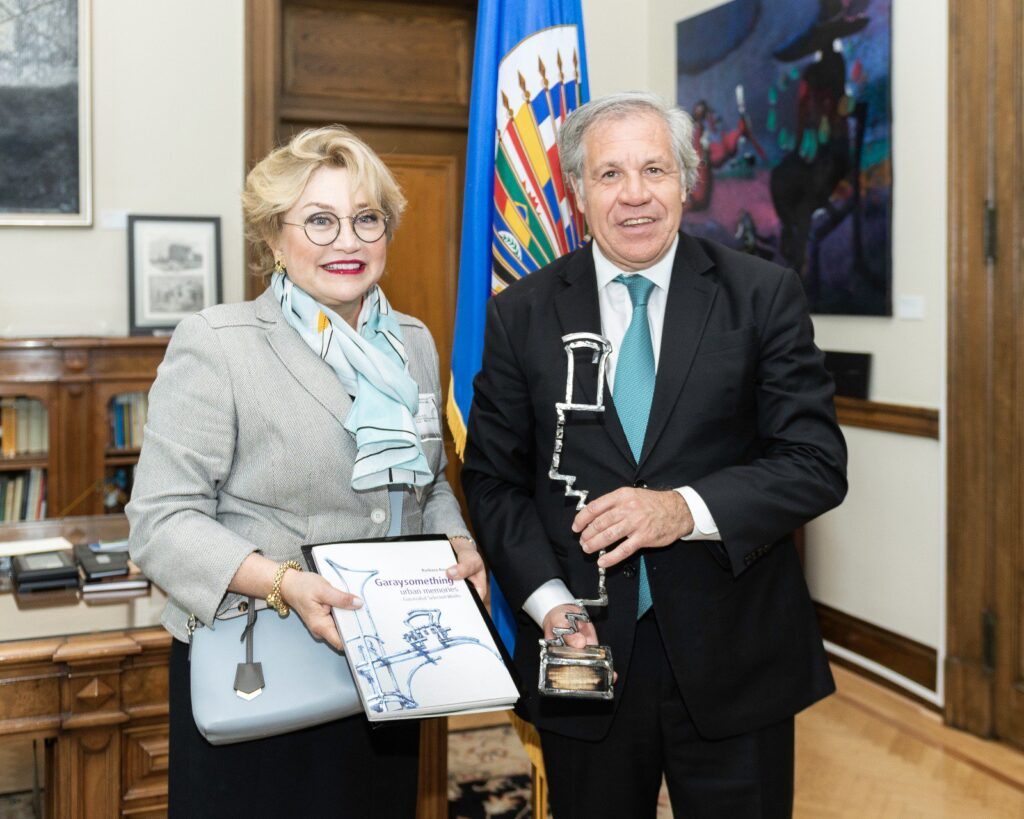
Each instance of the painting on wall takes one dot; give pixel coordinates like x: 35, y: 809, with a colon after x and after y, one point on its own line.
x: 173, y: 270
x: 792, y: 110
x: 45, y: 161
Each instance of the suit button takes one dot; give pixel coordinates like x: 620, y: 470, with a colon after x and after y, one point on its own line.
x: 640, y: 484
x: 378, y: 515
x: 629, y: 571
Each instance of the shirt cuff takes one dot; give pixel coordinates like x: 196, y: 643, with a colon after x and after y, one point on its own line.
x: 704, y: 527
x: 546, y: 597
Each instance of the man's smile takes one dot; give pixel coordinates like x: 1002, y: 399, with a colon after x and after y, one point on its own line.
x: 637, y: 220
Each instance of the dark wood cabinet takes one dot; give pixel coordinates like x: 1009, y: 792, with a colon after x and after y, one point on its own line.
x: 78, y: 379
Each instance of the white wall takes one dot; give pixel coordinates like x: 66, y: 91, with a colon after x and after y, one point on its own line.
x: 168, y: 138
x: 880, y: 557
x: 617, y: 45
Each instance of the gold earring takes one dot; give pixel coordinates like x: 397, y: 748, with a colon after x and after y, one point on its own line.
x: 278, y: 264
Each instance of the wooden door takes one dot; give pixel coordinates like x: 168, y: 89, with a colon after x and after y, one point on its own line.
x: 985, y: 583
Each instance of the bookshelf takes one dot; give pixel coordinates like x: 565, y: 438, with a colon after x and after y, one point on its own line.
x: 81, y: 386
x: 24, y: 452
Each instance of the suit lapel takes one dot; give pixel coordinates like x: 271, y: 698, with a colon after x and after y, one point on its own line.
x: 579, y: 312
x: 312, y: 373
x: 690, y: 297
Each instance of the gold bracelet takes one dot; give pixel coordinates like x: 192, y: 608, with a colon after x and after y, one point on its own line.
x: 274, y: 599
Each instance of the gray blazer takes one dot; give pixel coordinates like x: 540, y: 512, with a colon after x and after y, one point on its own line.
x: 244, y: 450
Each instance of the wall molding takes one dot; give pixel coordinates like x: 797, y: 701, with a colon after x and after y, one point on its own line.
x: 899, y: 418
x: 908, y: 658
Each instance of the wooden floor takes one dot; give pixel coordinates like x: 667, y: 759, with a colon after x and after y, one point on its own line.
x: 869, y: 753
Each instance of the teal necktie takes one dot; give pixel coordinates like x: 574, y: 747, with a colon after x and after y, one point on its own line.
x: 634, y: 390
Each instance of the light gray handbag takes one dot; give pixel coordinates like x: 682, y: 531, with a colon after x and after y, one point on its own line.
x: 256, y: 674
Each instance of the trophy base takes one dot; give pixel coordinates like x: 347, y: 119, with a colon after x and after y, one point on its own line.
x: 582, y: 673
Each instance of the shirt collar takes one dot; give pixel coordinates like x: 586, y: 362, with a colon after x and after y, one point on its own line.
x: 660, y: 273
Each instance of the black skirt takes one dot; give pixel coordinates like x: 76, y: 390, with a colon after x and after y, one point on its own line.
x: 340, y: 769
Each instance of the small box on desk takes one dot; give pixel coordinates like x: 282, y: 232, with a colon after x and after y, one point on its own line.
x: 43, y: 571
x: 851, y: 372
x: 97, y: 566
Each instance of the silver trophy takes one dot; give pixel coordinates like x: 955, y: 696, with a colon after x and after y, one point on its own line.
x: 582, y: 673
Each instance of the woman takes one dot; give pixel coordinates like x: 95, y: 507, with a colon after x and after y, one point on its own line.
x: 307, y: 415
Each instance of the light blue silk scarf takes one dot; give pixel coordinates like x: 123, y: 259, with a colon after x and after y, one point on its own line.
x: 372, y: 366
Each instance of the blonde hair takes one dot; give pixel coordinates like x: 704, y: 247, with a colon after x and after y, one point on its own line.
x: 277, y: 182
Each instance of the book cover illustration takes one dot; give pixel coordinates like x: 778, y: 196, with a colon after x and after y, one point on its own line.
x: 418, y: 642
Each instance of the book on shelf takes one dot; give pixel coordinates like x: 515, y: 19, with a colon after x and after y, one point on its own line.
x: 14, y: 491
x: 36, y: 494
x: 422, y: 644
x: 117, y: 422
x: 140, y: 407
x: 22, y: 427
x: 19, y: 496
x: 12, y: 495
x: 127, y: 419
x: 23, y: 495
x: 38, y: 428
x: 44, y: 483
x: 22, y: 408
x: 28, y: 509
x: 8, y: 428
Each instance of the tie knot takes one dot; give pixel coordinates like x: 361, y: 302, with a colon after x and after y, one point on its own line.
x: 639, y: 288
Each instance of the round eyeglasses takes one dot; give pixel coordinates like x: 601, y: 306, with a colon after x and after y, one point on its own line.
x: 323, y: 228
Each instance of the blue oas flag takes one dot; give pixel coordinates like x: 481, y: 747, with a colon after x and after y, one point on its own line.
x: 528, y: 74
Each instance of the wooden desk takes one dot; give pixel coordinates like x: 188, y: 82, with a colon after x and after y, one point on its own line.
x: 92, y: 681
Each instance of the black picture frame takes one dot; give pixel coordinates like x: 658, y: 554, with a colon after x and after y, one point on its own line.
x: 174, y: 270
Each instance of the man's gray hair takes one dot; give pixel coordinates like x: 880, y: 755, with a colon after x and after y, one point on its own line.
x: 620, y: 106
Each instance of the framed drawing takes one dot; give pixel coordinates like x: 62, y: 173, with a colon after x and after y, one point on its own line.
x: 173, y: 270
x: 792, y: 105
x: 45, y: 122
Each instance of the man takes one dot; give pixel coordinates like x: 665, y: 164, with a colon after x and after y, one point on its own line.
x: 718, y: 441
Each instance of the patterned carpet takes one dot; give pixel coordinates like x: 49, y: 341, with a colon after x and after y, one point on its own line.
x: 489, y: 776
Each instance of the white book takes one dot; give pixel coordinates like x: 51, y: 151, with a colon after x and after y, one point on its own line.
x: 37, y: 421
x: 22, y: 409
x: 422, y: 644
x: 28, y: 547
x: 138, y: 418
x: 16, y: 497
x: 32, y: 491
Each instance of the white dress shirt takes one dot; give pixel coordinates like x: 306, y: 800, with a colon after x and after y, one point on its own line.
x: 616, y: 313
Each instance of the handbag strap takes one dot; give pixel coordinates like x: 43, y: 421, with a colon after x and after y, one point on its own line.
x: 249, y: 675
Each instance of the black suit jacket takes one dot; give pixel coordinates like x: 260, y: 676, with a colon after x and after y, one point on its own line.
x: 742, y: 412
